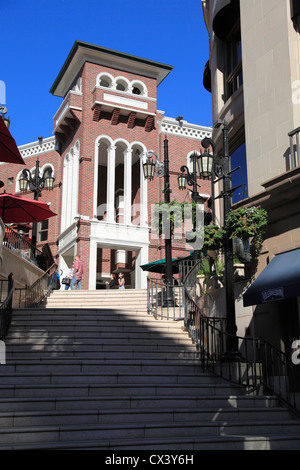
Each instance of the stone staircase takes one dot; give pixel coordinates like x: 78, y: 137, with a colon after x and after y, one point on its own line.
x: 91, y: 370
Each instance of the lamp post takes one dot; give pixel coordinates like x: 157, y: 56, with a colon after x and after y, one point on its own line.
x: 187, y: 178
x: 162, y: 170
x: 213, y: 165
x: 36, y: 184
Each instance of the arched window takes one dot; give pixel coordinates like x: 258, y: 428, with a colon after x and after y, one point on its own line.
x: 139, y: 88
x: 189, y: 160
x: 105, y: 80
x: 122, y: 84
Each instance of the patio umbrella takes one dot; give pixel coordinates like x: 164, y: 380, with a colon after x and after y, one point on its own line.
x: 159, y: 266
x: 9, y: 151
x: 14, y: 209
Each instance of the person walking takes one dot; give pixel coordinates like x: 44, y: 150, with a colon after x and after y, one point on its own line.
x: 77, y: 274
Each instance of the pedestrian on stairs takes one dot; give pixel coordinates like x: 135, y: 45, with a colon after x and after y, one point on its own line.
x: 77, y: 275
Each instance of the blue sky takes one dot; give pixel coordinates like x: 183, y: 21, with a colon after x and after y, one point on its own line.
x: 37, y: 36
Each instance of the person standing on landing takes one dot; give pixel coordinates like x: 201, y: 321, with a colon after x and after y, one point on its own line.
x: 121, y: 281
x: 77, y: 275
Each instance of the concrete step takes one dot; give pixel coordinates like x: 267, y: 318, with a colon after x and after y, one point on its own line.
x: 65, y: 433
x: 115, y: 378
x: 109, y: 378
x: 118, y: 390
x: 168, y: 415
x: 278, y: 442
x: 149, y: 402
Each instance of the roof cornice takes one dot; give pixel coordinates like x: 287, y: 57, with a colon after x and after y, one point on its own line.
x: 82, y: 52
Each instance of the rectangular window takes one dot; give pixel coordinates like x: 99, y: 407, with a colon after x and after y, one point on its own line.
x: 43, y: 230
x: 239, y: 177
x: 234, y: 71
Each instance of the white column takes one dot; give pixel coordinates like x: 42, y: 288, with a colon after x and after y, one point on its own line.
x: 127, y: 185
x: 95, y: 195
x: 111, y: 172
x: 92, y: 271
x: 141, y: 276
x: 143, y: 194
x: 64, y: 194
x: 75, y: 183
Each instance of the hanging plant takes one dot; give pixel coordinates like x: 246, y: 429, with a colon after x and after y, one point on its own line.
x: 247, y: 222
x: 213, y: 237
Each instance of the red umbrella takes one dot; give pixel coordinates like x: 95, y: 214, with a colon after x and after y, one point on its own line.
x: 14, y: 209
x: 9, y: 151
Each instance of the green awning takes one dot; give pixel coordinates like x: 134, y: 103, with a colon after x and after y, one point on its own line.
x: 159, y: 266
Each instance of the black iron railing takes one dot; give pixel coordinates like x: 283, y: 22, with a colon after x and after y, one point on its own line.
x: 7, y: 289
x: 165, y: 301
x: 262, y: 367
x: 32, y: 296
x: 20, y: 246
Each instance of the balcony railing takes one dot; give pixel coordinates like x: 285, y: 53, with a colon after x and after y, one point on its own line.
x: 293, y: 159
x: 20, y: 246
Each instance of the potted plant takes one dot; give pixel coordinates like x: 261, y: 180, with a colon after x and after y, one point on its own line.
x: 247, y: 222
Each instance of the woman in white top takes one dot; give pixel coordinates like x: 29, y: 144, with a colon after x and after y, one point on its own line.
x: 121, y: 281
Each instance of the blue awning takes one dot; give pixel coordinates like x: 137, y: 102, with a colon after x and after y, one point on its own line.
x: 279, y: 280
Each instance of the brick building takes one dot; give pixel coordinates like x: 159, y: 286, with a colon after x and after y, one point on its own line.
x: 106, y: 123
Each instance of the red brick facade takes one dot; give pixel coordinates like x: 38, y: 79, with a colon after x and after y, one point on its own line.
x: 129, y: 121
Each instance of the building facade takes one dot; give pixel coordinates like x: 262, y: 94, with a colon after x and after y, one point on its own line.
x: 253, y: 73
x: 106, y: 123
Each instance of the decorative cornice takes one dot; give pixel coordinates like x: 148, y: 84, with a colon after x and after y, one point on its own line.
x: 184, y: 129
x: 35, y: 148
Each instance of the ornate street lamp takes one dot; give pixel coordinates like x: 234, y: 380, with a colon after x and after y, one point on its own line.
x: 205, y: 162
x: 149, y: 167
x: 162, y: 170
x: 36, y: 184
x: 188, y: 178
x: 213, y: 165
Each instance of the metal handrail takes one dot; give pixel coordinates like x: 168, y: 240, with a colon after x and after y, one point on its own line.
x: 19, y: 245
x: 6, y: 308
x: 262, y: 367
x: 165, y: 301
x: 34, y: 295
x: 294, y: 154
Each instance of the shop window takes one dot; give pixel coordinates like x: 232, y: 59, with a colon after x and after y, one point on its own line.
x: 239, y: 177
x: 233, y: 67
x: 43, y: 230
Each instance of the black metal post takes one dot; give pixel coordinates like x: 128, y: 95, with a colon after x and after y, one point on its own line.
x: 232, y: 353
x: 35, y: 189
x: 168, y: 241
x: 194, y: 199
